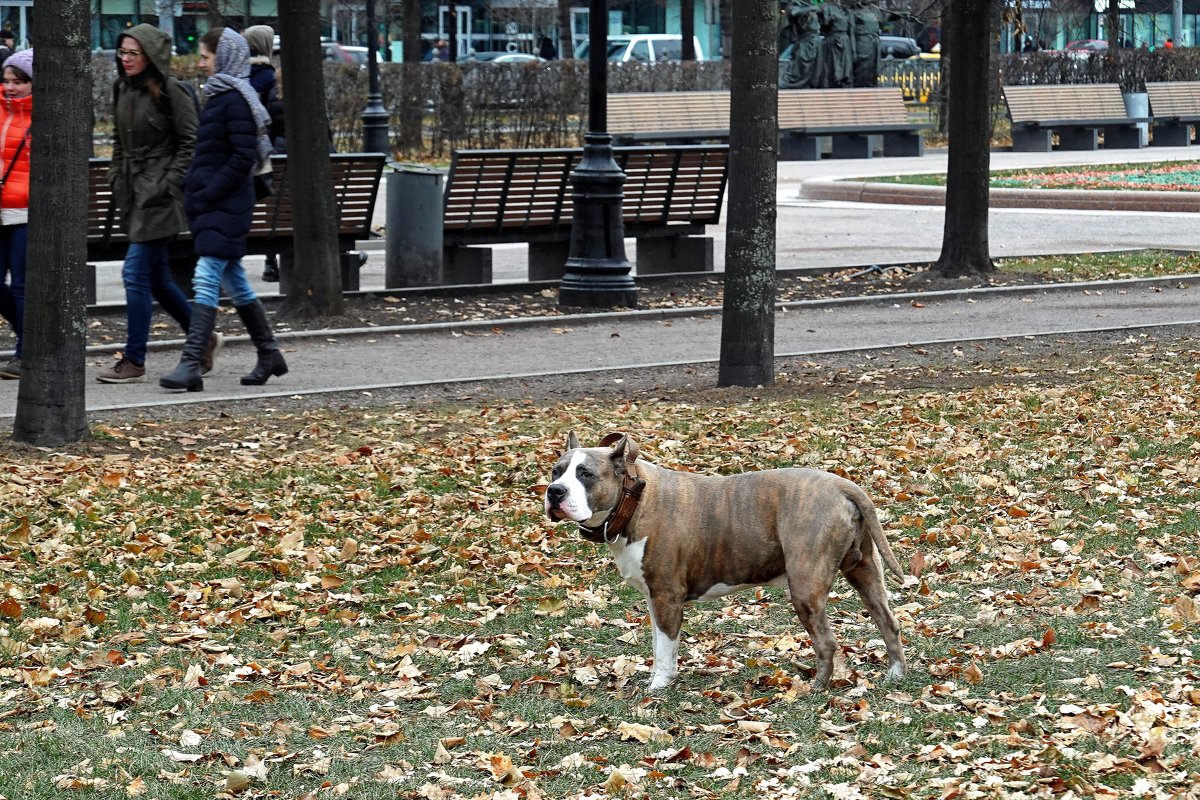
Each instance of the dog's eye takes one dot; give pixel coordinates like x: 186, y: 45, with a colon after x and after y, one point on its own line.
x: 583, y: 473
x: 557, y: 472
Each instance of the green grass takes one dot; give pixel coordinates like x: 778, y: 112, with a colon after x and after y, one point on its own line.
x: 429, y: 628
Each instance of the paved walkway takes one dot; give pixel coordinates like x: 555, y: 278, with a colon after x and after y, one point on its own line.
x: 820, y: 233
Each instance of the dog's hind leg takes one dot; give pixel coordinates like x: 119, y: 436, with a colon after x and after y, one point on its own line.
x: 867, y: 579
x: 809, y: 598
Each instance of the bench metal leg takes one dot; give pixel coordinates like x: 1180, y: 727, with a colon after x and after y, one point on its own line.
x: 1079, y: 139
x: 466, y: 265
x: 903, y: 144
x: 659, y: 255
x: 89, y: 284
x: 799, y: 148
x: 1171, y: 134
x: 1031, y: 140
x: 547, y: 260
x: 1126, y: 137
x: 851, y: 145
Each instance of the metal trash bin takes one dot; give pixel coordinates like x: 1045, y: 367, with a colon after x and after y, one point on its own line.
x: 414, y: 226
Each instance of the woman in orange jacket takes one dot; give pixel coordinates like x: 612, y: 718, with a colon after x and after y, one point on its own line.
x: 15, y: 114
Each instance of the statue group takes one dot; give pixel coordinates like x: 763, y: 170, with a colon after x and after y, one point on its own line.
x: 833, y: 45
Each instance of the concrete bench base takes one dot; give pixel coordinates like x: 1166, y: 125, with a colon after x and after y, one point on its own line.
x: 1172, y: 134
x: 675, y: 254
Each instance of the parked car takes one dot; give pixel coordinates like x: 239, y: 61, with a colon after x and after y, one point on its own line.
x: 344, y: 53
x: 646, y: 48
x: 898, y: 47
x: 504, y: 57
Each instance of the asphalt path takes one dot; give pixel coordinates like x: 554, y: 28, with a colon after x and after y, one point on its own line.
x: 365, y: 361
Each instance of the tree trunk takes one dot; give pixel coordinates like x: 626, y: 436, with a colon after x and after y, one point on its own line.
x: 968, y: 46
x: 1114, y: 25
x: 566, y: 43
x: 725, y: 10
x: 748, y: 316
x: 315, y: 283
x: 687, y: 27
x: 50, y: 400
x: 411, y: 109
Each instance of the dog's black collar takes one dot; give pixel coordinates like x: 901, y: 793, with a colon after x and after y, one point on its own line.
x: 613, y: 527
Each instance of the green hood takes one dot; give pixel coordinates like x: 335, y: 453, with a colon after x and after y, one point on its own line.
x: 155, y: 44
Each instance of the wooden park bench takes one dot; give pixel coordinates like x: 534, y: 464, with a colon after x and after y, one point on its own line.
x: 1076, y: 112
x: 671, y: 193
x: 355, y: 185
x: 849, y: 117
x: 1175, y: 107
x: 668, y: 116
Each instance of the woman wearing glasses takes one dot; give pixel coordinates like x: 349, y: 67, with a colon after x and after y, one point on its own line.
x: 154, y: 136
x: 15, y: 115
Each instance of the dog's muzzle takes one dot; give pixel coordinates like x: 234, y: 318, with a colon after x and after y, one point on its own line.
x: 556, y: 494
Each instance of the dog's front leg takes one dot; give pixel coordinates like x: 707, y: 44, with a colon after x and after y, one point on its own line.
x: 666, y: 621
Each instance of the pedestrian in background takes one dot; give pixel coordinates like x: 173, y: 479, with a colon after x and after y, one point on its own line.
x: 7, y: 44
x: 154, y: 135
x: 263, y: 78
x: 15, y: 117
x: 231, y: 145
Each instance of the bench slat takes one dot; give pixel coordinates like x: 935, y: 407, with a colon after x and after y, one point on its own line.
x: 489, y: 192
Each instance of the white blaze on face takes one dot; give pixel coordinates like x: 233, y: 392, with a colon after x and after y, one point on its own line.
x: 576, y: 504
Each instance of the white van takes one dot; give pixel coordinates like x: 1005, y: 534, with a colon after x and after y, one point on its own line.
x: 646, y: 48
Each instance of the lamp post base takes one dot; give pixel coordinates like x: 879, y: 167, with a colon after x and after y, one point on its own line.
x: 375, y: 126
x: 597, y: 271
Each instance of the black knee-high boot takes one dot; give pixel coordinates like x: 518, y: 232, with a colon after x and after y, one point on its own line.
x: 186, y: 376
x: 270, y: 360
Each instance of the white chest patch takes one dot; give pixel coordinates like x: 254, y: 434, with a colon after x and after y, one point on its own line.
x: 628, y: 558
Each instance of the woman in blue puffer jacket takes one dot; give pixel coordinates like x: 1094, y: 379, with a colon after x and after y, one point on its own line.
x: 218, y: 197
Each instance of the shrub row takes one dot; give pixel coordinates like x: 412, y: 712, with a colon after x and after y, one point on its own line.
x: 437, y: 108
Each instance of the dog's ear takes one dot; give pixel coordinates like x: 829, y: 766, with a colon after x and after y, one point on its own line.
x: 572, y: 441
x: 624, y: 452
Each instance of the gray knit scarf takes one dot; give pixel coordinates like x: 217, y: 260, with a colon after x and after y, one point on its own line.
x: 232, y: 61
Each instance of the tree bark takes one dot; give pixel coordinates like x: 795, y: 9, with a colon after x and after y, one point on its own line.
x: 687, y: 28
x: 315, y: 283
x: 748, y: 316
x: 968, y: 46
x: 411, y: 109
x: 50, y: 400
x: 566, y: 44
x: 1114, y: 25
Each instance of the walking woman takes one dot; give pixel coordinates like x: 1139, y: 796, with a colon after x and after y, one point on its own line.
x: 154, y: 121
x: 218, y: 196
x: 15, y: 116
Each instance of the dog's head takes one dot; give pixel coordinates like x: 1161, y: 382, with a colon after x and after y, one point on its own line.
x: 586, y: 481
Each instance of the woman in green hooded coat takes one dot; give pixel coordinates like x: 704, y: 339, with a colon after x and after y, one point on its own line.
x: 154, y: 136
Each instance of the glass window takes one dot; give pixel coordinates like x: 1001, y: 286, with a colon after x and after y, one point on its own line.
x: 640, y: 52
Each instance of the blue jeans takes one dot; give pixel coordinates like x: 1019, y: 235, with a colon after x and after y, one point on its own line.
x: 212, y: 272
x: 147, y: 277
x: 12, y: 279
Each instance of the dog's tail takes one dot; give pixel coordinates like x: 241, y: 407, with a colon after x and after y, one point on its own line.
x: 870, y: 521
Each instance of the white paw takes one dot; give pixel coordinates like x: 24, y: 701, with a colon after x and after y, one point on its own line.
x: 659, y: 682
x: 896, y: 673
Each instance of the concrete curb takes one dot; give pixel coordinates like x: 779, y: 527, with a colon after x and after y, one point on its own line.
x: 863, y: 191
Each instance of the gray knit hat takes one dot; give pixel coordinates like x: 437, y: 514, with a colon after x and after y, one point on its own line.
x: 22, y: 60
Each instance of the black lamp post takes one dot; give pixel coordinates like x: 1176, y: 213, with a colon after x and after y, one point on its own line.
x: 374, y: 116
x: 597, y: 272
